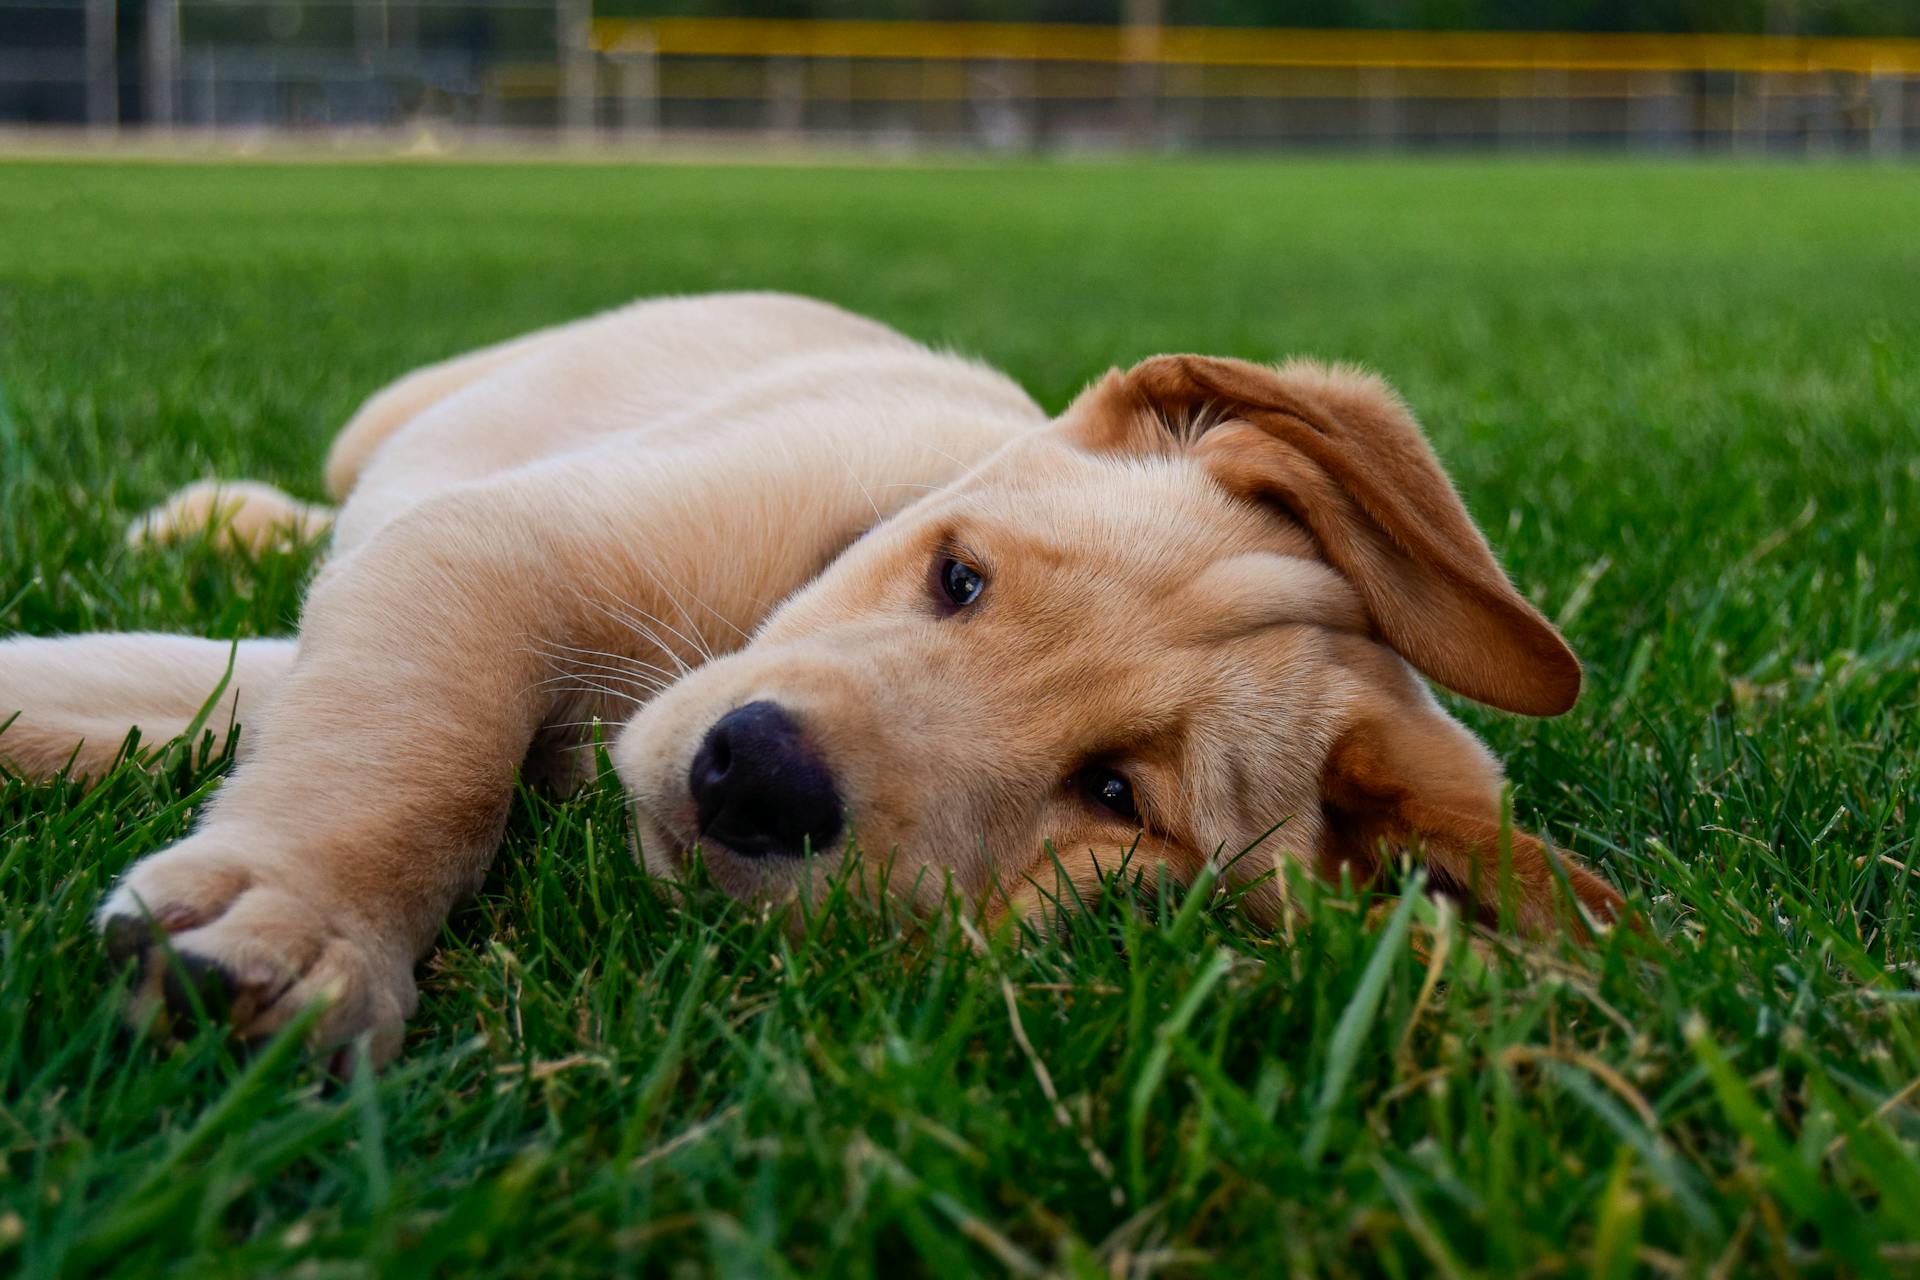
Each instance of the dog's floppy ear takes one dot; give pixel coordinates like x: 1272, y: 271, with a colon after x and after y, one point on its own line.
x: 1413, y: 780
x: 1336, y: 449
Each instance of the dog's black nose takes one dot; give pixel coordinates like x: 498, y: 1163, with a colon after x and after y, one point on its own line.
x: 759, y: 789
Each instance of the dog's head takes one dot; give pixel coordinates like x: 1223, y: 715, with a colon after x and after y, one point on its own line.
x: 1184, y: 620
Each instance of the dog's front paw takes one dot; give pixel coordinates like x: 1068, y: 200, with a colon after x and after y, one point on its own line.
x: 210, y: 925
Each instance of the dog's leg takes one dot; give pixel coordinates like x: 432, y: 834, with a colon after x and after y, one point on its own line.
x: 374, y: 796
x: 74, y: 699
x: 379, y: 781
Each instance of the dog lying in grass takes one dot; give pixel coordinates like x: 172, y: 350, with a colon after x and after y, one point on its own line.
x: 831, y: 587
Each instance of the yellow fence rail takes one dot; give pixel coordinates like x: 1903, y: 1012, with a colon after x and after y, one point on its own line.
x: 1252, y: 47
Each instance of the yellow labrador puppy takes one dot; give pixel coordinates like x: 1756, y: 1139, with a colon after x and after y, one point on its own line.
x: 836, y: 587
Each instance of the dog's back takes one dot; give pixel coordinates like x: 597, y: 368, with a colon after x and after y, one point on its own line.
x: 663, y: 372
x: 666, y: 352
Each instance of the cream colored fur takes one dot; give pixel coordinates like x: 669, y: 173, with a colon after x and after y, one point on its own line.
x: 237, y: 514
x: 591, y: 521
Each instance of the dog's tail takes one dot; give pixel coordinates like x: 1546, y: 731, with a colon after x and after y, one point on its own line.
x: 242, y: 514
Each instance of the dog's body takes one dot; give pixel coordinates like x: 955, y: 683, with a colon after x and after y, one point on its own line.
x: 1178, y: 616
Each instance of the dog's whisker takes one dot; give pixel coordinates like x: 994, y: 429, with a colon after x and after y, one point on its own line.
x: 589, y: 722
x: 662, y: 674
x: 591, y: 653
x: 614, y: 661
x: 858, y: 482
x: 623, y: 664
x: 705, y: 653
x: 695, y: 596
x: 698, y: 641
x: 639, y: 679
x: 618, y: 664
x: 694, y: 635
x: 639, y: 628
x: 629, y: 616
x: 577, y: 683
x: 680, y: 664
x: 561, y: 682
x: 588, y: 686
x: 937, y: 451
x: 656, y: 681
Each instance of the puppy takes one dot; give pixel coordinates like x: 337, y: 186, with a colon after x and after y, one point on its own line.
x: 833, y: 588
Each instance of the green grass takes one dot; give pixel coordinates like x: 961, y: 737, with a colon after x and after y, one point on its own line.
x: 1680, y: 399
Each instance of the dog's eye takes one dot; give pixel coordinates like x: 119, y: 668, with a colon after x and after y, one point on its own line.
x: 960, y: 583
x: 1110, y: 790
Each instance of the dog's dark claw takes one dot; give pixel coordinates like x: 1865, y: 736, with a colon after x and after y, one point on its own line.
x: 190, y: 977
x: 126, y: 938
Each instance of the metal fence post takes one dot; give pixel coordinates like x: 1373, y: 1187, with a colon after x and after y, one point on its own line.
x: 1745, y: 97
x: 786, y: 96
x: 369, y: 26
x: 639, y: 74
x: 1141, y: 74
x: 1886, y: 96
x: 1382, y: 91
x: 401, y: 19
x: 163, y: 62
x: 103, y: 64
x: 573, y: 27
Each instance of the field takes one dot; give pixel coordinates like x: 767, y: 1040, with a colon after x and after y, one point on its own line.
x: 1681, y: 399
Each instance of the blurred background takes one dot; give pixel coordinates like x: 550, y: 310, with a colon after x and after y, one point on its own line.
x: 1804, y: 77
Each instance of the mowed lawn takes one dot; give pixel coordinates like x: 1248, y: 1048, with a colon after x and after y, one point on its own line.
x: 1682, y: 401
